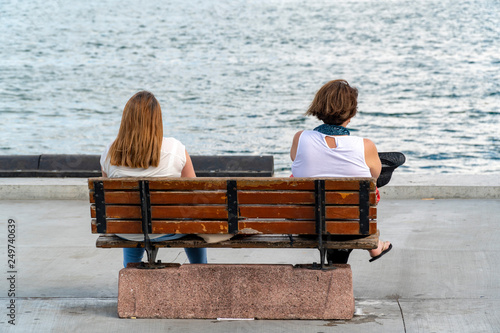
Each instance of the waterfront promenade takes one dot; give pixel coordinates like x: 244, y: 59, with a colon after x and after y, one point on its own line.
x: 443, y: 274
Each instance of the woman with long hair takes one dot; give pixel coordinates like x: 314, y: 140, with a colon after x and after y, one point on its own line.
x: 140, y: 150
x: 329, y: 150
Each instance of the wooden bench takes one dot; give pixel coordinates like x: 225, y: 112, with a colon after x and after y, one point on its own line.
x: 330, y: 213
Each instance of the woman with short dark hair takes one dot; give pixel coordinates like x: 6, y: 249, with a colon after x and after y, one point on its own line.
x: 329, y: 150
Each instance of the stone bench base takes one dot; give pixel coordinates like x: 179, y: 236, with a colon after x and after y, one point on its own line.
x: 209, y: 291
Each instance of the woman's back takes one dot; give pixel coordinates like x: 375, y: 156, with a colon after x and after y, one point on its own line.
x: 315, y: 158
x: 330, y: 151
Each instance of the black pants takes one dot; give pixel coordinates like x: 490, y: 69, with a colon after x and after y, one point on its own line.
x: 338, y: 256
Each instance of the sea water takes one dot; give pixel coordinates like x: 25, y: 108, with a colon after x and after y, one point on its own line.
x: 235, y: 77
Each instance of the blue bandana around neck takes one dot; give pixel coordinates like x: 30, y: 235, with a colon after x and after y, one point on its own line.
x: 332, y: 129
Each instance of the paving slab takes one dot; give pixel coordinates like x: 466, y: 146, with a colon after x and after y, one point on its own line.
x: 451, y: 315
x: 99, y: 315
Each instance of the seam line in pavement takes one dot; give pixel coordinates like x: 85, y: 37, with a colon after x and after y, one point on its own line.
x: 402, y: 314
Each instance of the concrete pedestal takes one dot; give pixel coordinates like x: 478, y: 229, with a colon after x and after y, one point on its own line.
x: 236, y: 291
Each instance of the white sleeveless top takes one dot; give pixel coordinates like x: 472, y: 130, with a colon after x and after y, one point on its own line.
x: 315, y: 158
x: 172, y: 161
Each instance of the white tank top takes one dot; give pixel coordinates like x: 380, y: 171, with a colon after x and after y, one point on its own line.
x: 315, y: 158
x: 172, y: 161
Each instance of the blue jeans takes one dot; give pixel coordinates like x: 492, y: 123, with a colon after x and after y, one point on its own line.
x: 195, y: 255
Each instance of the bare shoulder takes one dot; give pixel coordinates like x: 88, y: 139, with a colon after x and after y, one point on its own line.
x: 297, y: 135
x: 372, y: 159
x: 369, y: 145
x: 188, y: 170
x: 295, y: 143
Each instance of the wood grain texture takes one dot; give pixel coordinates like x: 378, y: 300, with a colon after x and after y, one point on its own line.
x: 165, y: 212
x: 245, y: 227
x: 254, y: 241
x: 244, y: 183
x: 264, y: 205
x: 244, y: 197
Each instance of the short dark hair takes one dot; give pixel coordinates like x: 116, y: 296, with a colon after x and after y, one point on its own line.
x: 334, y: 103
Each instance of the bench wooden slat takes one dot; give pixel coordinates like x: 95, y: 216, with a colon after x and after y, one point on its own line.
x: 302, y: 227
x: 244, y: 197
x: 303, y: 184
x: 301, y: 212
x: 162, y: 183
x: 244, y: 227
x: 254, y: 241
x: 166, y: 227
x: 210, y: 212
x: 347, y: 212
x: 244, y: 183
x: 167, y: 198
x: 299, y: 197
x: 166, y: 212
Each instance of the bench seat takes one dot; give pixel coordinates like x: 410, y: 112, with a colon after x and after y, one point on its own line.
x: 251, y: 241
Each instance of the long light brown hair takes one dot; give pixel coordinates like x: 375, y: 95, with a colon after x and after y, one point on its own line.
x: 139, y: 139
x: 334, y: 103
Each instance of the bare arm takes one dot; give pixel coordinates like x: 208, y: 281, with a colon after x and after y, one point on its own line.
x: 188, y: 170
x: 372, y: 159
x: 295, y: 144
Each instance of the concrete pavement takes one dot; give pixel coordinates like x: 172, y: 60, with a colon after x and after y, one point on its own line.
x: 443, y: 274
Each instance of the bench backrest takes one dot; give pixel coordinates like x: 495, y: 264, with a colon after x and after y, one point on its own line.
x: 336, y: 206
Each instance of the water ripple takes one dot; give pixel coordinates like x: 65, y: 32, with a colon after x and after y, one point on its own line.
x: 235, y: 77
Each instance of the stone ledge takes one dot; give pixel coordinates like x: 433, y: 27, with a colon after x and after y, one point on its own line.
x: 257, y: 291
x: 442, y: 186
x: 406, y: 192
x: 44, y: 189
